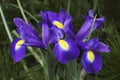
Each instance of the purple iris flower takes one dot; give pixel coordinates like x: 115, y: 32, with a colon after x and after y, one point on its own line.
x: 29, y: 37
x: 91, y: 58
x: 54, y: 28
x: 57, y: 23
x: 86, y: 27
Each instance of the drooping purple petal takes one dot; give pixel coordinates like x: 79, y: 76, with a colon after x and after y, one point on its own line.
x: 60, y: 54
x: 92, y: 62
x: 66, y: 50
x: 91, y: 43
x: 101, y: 47
x: 100, y: 20
x: 17, y: 50
x: 96, y: 45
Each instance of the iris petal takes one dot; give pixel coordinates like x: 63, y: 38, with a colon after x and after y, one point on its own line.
x: 25, y: 30
x: 92, y: 66
x: 17, y: 50
x: 86, y: 27
x: 55, y: 34
x: 90, y: 13
x: 91, y: 43
x: 66, y: 50
x: 101, y: 47
x: 84, y: 31
x: 96, y: 45
x: 70, y: 34
x: 45, y: 33
x: 98, y: 22
x: 34, y: 43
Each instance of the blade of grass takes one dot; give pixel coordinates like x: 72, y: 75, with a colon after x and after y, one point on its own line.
x: 5, y: 24
x: 29, y: 14
x: 68, y: 6
x: 21, y: 10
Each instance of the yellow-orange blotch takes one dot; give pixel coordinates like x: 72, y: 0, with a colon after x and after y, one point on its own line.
x: 90, y: 56
x: 63, y: 44
x: 19, y: 43
x: 58, y: 24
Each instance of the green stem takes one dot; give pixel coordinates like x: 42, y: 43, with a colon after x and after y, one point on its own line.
x: 36, y: 56
x: 19, y: 4
x: 92, y: 27
x: 83, y: 74
x: 70, y: 72
x: 26, y: 69
x: 68, y: 6
x: 5, y: 24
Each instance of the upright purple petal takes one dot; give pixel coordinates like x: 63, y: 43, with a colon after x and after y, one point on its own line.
x: 45, y: 33
x: 25, y: 30
x: 70, y: 34
x: 17, y: 50
x: 62, y: 15
x: 98, y: 22
x: 90, y: 13
x: 84, y: 31
x: 65, y: 19
x: 92, y: 62
x: 86, y: 27
x: 55, y: 34
x: 43, y: 15
x: 52, y: 16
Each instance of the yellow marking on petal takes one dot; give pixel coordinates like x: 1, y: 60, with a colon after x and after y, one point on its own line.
x: 58, y: 24
x: 90, y: 56
x: 63, y: 44
x: 19, y: 43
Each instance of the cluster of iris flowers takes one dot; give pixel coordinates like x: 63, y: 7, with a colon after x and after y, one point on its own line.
x: 57, y: 30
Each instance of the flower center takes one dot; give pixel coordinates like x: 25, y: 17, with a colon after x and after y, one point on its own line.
x: 19, y: 43
x: 90, y: 56
x: 63, y: 44
x: 58, y: 24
